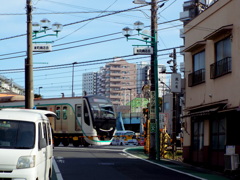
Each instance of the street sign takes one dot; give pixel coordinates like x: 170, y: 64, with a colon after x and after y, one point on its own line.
x: 152, y: 105
x: 176, y: 82
x: 152, y: 127
x: 142, y: 50
x: 42, y: 47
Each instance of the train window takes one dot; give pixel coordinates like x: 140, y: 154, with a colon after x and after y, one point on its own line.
x: 58, y: 111
x: 78, y: 110
x: 42, y: 108
x: 65, y: 112
x: 86, y: 114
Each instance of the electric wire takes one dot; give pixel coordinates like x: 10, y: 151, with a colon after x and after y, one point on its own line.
x: 81, y: 41
x: 84, y: 63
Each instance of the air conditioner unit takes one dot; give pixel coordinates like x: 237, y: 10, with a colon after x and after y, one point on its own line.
x: 231, y: 161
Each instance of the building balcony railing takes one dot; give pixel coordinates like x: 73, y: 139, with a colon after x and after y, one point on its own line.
x: 197, y: 77
x: 221, y: 68
x: 116, y: 80
x: 115, y: 85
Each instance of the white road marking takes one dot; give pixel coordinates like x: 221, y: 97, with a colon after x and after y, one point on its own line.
x: 162, y: 165
x: 57, y: 171
x: 87, y: 149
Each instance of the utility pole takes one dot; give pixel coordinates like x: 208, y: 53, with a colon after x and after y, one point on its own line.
x: 154, y: 151
x: 174, y: 113
x: 29, y: 60
x: 73, y: 78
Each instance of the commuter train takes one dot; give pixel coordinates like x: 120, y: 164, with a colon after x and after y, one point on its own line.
x: 86, y: 120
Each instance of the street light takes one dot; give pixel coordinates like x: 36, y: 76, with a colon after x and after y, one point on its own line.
x: 154, y: 152
x: 43, y: 26
x: 73, y: 78
x: 29, y: 97
x: 138, y: 26
x: 39, y: 90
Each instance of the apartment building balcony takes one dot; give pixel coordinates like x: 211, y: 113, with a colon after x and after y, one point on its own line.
x: 182, y: 35
x: 185, y: 15
x: 221, y: 68
x: 115, y: 100
x: 115, y: 80
x: 115, y: 91
x: 196, y: 77
x: 117, y: 85
x: 115, y: 96
x: 116, y: 69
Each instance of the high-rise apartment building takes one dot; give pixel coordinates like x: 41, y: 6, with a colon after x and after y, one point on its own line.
x: 117, y: 81
x: 89, y: 85
x: 121, y: 81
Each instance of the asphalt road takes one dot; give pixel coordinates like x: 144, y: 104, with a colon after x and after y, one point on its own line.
x: 108, y: 162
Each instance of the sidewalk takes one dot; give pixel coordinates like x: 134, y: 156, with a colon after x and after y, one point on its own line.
x: 178, y: 166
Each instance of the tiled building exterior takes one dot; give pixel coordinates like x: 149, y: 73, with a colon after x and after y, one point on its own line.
x: 211, y: 117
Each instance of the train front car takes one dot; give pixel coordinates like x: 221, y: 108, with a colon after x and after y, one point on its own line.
x: 101, y: 121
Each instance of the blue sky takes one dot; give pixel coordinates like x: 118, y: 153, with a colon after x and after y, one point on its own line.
x: 80, y: 41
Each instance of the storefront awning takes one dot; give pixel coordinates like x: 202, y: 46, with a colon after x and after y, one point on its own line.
x: 202, y: 113
x: 205, y: 110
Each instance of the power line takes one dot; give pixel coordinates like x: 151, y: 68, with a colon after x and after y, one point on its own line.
x: 89, y: 19
x: 85, y: 63
x: 82, y: 41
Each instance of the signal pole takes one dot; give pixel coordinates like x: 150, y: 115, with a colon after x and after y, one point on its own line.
x: 174, y: 114
x: 29, y: 60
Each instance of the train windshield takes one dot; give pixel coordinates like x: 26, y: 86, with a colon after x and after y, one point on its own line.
x: 102, y: 108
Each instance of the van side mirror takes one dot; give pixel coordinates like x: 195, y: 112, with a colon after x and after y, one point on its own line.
x: 42, y: 143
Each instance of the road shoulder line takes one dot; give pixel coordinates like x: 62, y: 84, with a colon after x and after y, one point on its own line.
x: 125, y: 151
x: 57, y: 171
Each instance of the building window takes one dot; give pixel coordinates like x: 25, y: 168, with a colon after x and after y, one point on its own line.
x: 223, y: 63
x: 199, y: 61
x: 198, y: 135
x: 223, y: 49
x: 198, y: 75
x: 218, y: 134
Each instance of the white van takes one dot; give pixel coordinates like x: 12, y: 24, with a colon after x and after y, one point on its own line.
x: 126, y: 137
x: 26, y: 147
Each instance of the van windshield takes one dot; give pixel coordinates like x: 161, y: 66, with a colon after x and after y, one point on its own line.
x: 17, y: 134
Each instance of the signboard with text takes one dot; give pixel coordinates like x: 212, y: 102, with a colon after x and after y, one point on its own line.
x: 142, y: 50
x: 152, y: 105
x: 176, y: 83
x: 41, y: 47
